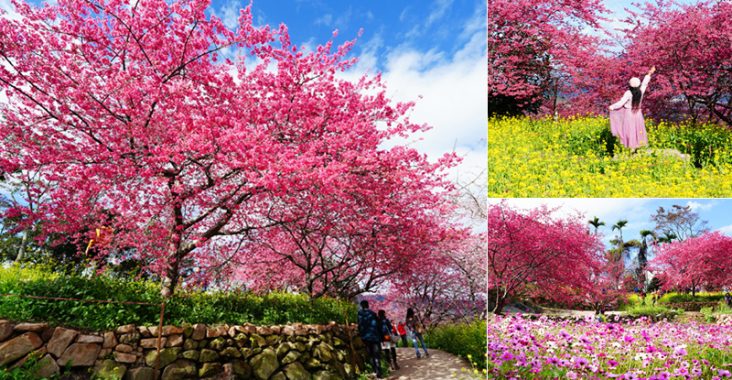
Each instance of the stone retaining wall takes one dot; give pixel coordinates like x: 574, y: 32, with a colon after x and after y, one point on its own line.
x: 290, y: 352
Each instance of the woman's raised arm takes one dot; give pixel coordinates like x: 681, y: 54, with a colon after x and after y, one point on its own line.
x: 647, y: 79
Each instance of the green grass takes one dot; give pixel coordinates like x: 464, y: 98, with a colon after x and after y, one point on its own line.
x: 467, y: 340
x: 652, y: 311
x: 233, y: 307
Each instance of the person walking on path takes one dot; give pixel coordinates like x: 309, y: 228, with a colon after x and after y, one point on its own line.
x: 626, y: 117
x: 402, y: 330
x: 416, y: 329
x: 369, y: 328
x: 388, y: 342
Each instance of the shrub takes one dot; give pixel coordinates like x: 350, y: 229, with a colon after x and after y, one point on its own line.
x: 467, y: 340
x: 234, y: 307
x: 687, y: 297
x: 654, y: 312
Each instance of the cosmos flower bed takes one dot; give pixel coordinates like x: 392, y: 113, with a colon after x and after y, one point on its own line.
x: 571, y: 157
x: 519, y: 348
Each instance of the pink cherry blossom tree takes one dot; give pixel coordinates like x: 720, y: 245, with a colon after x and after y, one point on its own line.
x: 178, y: 137
x: 691, y: 44
x: 533, y: 253
x: 695, y: 263
x: 534, y: 48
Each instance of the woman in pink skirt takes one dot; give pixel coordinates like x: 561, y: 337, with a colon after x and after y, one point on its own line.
x: 626, y: 117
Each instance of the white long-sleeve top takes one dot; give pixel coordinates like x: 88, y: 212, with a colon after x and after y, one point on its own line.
x: 627, y: 100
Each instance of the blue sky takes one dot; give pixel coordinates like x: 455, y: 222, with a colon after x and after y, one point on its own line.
x: 637, y: 211
x: 618, y: 12
x: 422, y: 25
x: 431, y: 52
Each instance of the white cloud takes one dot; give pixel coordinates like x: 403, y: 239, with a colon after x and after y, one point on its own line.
x: 8, y: 9
x: 449, y: 91
x: 701, y: 206
x: 727, y: 230
x: 326, y: 19
x: 229, y: 12
x: 439, y: 8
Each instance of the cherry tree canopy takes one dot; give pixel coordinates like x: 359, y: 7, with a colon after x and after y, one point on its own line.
x: 535, y: 254
x: 692, y: 47
x: 184, y: 141
x: 552, y: 56
x: 534, y: 47
x: 697, y: 262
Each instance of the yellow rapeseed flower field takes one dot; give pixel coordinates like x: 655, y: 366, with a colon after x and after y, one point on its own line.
x: 577, y: 157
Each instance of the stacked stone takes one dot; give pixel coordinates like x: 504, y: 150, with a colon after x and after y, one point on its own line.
x: 290, y: 352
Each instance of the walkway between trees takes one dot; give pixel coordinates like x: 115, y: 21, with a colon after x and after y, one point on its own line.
x: 439, y: 366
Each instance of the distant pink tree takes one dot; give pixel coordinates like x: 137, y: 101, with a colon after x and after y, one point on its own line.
x: 176, y: 135
x: 694, y: 263
x: 692, y: 47
x: 533, y: 253
x: 344, y: 244
x: 447, y: 284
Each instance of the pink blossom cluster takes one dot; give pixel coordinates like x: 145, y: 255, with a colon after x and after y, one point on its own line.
x: 519, y: 348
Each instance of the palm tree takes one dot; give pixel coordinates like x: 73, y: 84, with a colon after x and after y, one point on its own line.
x: 667, y: 237
x: 619, y: 226
x: 643, y: 249
x: 596, y: 222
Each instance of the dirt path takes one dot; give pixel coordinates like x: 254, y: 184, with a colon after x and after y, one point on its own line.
x: 439, y: 366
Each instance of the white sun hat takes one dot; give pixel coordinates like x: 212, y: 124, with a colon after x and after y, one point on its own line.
x: 634, y: 82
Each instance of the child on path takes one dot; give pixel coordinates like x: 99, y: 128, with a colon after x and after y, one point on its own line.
x: 388, y: 344
x: 402, y: 330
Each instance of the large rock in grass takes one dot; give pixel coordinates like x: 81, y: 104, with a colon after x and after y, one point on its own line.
x: 265, y: 364
x: 80, y: 355
x: 18, y: 347
x: 61, y: 340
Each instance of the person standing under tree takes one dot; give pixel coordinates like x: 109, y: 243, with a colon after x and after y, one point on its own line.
x: 626, y: 117
x: 402, y: 330
x: 369, y: 329
x: 416, y: 329
x: 388, y: 344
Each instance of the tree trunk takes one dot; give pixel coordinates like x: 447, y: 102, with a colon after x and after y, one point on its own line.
x: 21, y: 251
x: 170, y: 281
